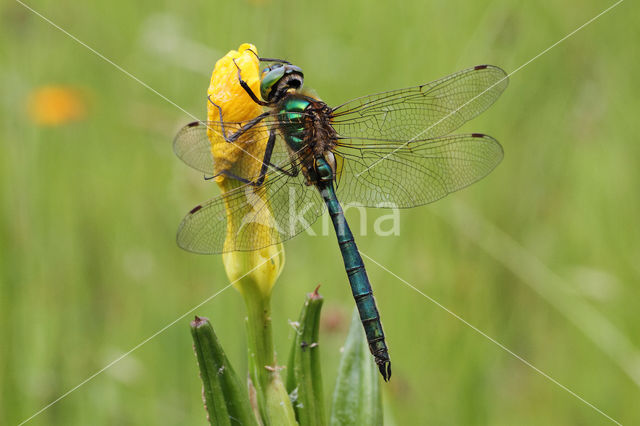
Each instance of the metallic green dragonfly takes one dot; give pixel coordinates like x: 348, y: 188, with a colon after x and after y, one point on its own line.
x: 390, y: 149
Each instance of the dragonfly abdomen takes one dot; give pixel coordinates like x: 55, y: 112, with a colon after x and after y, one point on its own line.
x: 359, y: 281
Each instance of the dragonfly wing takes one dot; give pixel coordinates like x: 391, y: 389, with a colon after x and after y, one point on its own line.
x: 421, y: 112
x: 379, y: 174
x: 252, y: 217
x: 192, y: 145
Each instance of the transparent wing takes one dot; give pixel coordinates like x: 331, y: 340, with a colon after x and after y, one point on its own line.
x: 382, y: 174
x: 250, y: 217
x: 422, y: 112
x: 193, y: 147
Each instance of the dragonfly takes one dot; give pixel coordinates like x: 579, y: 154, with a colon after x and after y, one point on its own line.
x: 389, y: 149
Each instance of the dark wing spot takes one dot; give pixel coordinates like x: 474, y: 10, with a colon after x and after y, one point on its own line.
x: 193, y: 124
x: 195, y: 209
x: 477, y: 135
x: 480, y: 67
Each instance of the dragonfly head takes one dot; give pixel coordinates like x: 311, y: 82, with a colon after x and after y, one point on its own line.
x: 278, y: 79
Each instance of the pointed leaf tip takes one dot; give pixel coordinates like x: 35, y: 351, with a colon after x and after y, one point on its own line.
x: 224, y: 395
x: 304, y: 379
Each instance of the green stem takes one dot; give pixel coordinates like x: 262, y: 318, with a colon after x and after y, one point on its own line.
x: 273, y: 400
x: 260, y: 336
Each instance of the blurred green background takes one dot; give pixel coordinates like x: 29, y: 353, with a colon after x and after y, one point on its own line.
x: 543, y: 255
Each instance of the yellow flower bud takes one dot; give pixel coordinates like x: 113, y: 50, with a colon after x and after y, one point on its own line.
x: 243, y: 158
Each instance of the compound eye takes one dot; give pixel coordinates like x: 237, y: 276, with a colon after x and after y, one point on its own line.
x: 270, y: 68
x: 270, y: 78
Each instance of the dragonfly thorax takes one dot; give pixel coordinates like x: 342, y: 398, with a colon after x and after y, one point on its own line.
x: 292, y: 124
x: 305, y: 123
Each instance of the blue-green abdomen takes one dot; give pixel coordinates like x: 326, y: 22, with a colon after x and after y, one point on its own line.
x: 357, y: 274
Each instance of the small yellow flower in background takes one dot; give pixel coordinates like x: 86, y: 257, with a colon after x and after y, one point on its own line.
x: 56, y: 105
x: 243, y: 158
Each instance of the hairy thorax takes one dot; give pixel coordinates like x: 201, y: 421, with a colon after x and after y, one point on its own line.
x: 305, y: 124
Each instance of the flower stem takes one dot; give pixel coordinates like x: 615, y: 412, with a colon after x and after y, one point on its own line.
x: 273, y: 400
x: 260, y: 336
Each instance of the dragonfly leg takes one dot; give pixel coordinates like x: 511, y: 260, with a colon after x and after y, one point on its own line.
x: 248, y: 125
x: 266, y: 162
x: 224, y: 131
x: 282, y: 61
x: 267, y: 157
x: 232, y: 175
x: 256, y: 183
x: 247, y: 89
x: 292, y: 173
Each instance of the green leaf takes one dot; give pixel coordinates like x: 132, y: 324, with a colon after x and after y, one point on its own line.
x: 304, y: 381
x: 357, y: 398
x: 226, y: 399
